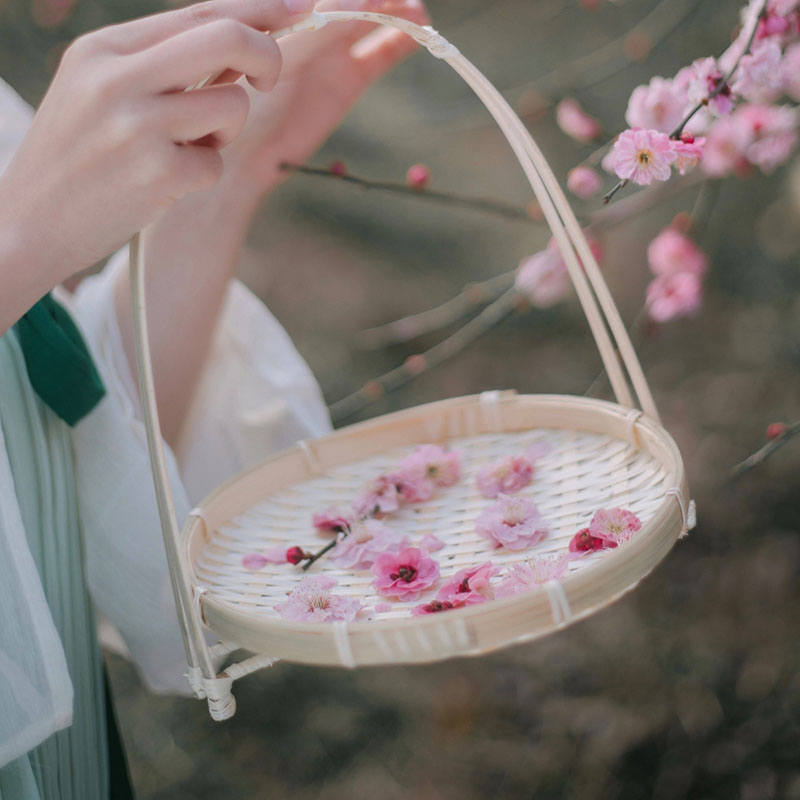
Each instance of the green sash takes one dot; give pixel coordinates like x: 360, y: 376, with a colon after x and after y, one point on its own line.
x: 58, y: 362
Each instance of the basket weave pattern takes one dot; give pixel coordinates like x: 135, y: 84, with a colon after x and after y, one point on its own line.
x: 580, y: 473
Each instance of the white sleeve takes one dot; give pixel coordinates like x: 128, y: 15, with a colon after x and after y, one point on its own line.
x: 257, y: 396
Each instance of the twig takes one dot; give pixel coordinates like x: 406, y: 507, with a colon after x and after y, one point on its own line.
x: 724, y: 82
x: 766, y: 451
x: 473, y: 295
x: 609, y: 59
x: 494, y: 207
x: 722, y: 85
x: 449, y: 312
x: 316, y: 556
x: 416, y: 365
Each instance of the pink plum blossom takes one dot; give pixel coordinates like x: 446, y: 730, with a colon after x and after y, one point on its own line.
x: 434, y: 607
x: 543, y: 277
x: 254, y: 561
x: 689, y: 152
x: 538, y: 571
x: 512, y: 522
x: 378, y: 498
x: 774, y: 133
x: 615, y: 525
x: 366, y: 541
x: 790, y: 71
x: 431, y: 543
x: 405, y: 574
x: 658, y: 106
x: 575, y: 122
x: 759, y: 77
x: 332, y: 520
x: 505, y: 475
x: 584, y: 182
x: 312, y: 601
x: 671, y: 296
x: 672, y: 252
x: 469, y: 586
x: 583, y: 542
x: 702, y: 79
x: 427, y: 469
x: 643, y: 156
x: 725, y: 146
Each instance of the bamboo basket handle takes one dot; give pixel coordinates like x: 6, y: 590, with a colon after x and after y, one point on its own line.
x: 611, y: 337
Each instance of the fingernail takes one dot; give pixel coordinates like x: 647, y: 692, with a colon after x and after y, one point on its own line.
x: 299, y: 6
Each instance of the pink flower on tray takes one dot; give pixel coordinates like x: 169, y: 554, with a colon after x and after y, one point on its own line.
x: 427, y: 469
x: 469, y: 586
x: 584, y: 542
x: 505, y: 476
x: 366, y: 541
x: 538, y: 571
x: 643, y: 156
x: 615, y: 525
x: 332, y: 520
x: 404, y: 575
x: 313, y: 601
x: 512, y: 522
x: 434, y: 607
x: 431, y: 543
x: 378, y: 498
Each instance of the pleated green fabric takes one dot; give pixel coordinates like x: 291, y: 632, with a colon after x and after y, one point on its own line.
x: 73, y: 763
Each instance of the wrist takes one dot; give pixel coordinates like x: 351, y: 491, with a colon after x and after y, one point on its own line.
x: 30, y: 265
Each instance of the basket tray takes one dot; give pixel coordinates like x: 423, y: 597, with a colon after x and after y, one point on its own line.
x: 594, y: 456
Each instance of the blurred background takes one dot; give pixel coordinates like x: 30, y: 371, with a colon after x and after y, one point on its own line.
x: 690, y: 686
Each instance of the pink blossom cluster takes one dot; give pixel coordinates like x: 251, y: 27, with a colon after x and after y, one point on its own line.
x: 678, y: 266
x: 722, y: 112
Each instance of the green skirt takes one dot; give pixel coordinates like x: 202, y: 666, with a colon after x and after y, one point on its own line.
x: 73, y: 763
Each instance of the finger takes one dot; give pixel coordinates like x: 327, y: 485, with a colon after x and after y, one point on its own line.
x: 194, y: 168
x: 211, y: 49
x: 131, y: 37
x: 215, y: 115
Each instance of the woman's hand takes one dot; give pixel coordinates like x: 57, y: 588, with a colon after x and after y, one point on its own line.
x: 116, y: 140
x: 324, y: 73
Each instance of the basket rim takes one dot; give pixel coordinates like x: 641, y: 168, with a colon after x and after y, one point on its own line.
x: 647, y: 548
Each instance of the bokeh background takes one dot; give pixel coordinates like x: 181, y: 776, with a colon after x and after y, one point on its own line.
x: 687, y: 688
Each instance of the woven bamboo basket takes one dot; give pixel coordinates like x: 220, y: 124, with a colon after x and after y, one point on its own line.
x: 595, y: 454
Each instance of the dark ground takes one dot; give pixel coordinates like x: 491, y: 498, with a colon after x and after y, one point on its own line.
x: 687, y: 688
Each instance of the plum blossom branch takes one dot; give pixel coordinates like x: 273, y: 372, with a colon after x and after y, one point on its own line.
x: 476, y: 294
x: 725, y: 82
x: 721, y: 86
x: 493, y: 207
x: 763, y: 453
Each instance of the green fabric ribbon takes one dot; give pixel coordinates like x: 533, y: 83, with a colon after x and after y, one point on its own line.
x: 60, y: 367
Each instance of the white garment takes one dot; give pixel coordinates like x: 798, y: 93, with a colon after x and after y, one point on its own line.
x: 257, y: 396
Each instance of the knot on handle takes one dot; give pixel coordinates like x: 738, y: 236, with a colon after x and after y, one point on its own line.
x: 435, y: 43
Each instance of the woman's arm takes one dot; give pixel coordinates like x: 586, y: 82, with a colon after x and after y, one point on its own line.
x: 192, y: 252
